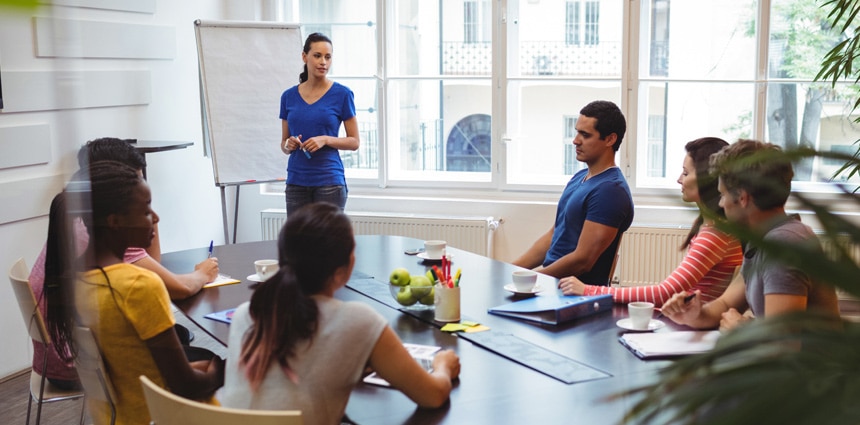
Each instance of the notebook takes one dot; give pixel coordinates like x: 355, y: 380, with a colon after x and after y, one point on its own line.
x: 669, y: 344
x: 555, y: 309
x: 225, y: 316
x: 421, y: 353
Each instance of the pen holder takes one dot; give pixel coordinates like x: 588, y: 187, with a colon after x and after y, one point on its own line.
x: 447, y: 304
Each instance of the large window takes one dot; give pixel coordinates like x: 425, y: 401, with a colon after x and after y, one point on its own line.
x: 480, y: 94
x: 711, y: 68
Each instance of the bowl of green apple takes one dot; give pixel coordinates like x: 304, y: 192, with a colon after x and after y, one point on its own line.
x: 414, y: 292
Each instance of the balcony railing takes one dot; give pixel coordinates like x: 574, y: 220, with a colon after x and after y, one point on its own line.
x: 536, y: 58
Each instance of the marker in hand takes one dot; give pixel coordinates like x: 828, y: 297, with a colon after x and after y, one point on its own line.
x: 307, y: 154
x: 211, y: 244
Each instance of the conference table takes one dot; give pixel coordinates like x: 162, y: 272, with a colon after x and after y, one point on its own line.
x: 492, y: 388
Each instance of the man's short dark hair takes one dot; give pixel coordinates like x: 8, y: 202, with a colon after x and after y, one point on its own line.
x: 609, y: 120
x: 110, y: 149
x: 761, y: 169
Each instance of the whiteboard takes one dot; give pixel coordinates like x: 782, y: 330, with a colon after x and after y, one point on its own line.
x: 244, y: 67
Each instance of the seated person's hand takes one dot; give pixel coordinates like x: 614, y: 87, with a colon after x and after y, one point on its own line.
x: 571, y: 285
x: 447, y: 362
x: 681, y: 312
x: 209, y: 268
x: 732, y: 319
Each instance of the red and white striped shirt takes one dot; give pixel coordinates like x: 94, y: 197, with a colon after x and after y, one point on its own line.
x: 708, y: 266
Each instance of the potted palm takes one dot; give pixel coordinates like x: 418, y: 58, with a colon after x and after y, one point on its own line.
x: 801, y: 368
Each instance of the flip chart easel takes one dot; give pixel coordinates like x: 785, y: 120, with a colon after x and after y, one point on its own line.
x: 244, y: 67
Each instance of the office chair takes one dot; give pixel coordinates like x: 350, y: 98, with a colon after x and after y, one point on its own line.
x: 40, y: 390
x: 166, y: 408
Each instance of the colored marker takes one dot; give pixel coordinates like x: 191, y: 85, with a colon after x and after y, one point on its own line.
x: 211, y: 244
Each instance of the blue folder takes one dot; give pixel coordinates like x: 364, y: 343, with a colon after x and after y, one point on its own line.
x: 552, y: 309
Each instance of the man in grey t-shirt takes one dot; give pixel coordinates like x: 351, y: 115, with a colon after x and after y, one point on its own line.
x: 754, y: 184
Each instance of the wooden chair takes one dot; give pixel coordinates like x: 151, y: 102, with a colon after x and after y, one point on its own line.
x: 92, y: 371
x: 40, y: 389
x: 166, y: 408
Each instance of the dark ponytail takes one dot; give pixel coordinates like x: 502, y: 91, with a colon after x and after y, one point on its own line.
x: 313, y: 38
x: 314, y: 243
x: 60, y: 267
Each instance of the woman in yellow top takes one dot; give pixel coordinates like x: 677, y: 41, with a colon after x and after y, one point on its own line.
x: 127, y: 307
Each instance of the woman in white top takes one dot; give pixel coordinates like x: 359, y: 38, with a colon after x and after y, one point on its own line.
x: 295, y: 347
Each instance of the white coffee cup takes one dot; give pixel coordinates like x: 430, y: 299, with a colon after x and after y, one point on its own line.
x: 524, y: 280
x: 640, y: 314
x: 435, y: 249
x: 266, y: 268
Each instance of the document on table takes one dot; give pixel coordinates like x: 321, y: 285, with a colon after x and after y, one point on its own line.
x: 669, y: 344
x: 220, y: 281
x: 423, y: 354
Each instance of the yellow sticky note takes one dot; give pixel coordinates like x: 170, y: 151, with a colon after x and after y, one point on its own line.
x: 454, y: 327
x: 468, y: 323
x: 478, y: 328
x: 221, y: 280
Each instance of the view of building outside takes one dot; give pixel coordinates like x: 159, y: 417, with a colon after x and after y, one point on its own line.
x: 698, y: 70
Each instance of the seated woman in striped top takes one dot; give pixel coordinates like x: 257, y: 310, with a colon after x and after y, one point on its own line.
x: 713, y: 255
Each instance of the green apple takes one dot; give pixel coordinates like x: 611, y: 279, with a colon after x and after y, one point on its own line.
x: 430, y: 276
x: 430, y: 298
x: 399, y: 277
x: 420, y: 285
x: 404, y: 297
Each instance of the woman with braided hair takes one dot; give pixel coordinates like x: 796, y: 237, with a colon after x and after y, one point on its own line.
x: 127, y: 307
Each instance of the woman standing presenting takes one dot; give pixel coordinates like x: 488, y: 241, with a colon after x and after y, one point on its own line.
x: 311, y: 114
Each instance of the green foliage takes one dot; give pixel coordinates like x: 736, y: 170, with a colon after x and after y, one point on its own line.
x: 22, y: 5
x: 801, y: 369
x: 841, y: 62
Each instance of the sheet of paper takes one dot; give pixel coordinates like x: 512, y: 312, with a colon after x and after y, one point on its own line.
x: 220, y: 281
x: 423, y: 354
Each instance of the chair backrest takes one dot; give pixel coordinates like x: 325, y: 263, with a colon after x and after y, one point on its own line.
x: 166, y: 408
x: 91, y: 367
x: 19, y: 276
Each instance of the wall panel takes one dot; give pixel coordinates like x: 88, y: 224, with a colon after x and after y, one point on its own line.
x: 25, y: 145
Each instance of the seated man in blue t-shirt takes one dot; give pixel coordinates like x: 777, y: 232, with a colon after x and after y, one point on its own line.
x: 596, y: 207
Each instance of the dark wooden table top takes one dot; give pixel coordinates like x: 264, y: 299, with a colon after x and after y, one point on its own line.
x: 492, y: 389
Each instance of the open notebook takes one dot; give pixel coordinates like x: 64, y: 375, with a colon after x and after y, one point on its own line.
x: 669, y: 344
x: 421, y: 353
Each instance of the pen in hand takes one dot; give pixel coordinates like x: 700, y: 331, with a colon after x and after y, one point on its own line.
x: 211, y: 244
x: 689, y: 298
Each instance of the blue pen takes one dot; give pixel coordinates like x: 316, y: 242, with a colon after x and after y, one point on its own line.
x: 211, y: 243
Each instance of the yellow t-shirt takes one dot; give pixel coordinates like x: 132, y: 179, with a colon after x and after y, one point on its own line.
x: 123, y: 313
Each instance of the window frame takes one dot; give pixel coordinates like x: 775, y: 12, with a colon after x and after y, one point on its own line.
x: 498, y: 187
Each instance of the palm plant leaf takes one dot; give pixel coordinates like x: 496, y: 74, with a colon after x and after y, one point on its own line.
x: 799, y: 369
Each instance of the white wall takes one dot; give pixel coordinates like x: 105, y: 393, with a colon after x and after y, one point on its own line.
x: 182, y: 184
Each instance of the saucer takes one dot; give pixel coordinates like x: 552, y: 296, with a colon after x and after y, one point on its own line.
x: 653, y: 325
x: 423, y: 256
x: 535, y: 289
x: 255, y: 278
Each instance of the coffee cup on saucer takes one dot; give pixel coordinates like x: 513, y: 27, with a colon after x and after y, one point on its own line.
x: 266, y: 268
x: 640, y: 314
x: 434, y: 249
x: 524, y: 280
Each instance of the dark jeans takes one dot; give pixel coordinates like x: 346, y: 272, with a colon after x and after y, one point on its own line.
x: 299, y: 196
